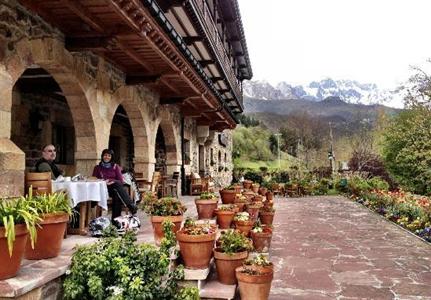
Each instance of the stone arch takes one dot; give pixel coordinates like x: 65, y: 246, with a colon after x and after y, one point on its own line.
x: 173, y: 155
x: 49, y: 54
x: 129, y: 99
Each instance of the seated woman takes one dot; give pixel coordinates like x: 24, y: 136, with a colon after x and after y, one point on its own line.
x: 111, y: 173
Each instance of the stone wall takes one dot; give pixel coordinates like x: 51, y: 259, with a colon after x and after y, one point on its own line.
x: 93, y: 89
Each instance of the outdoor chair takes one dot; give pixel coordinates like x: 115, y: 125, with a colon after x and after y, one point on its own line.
x: 148, y: 186
x: 171, y: 185
x: 195, y: 184
x: 207, y: 184
x: 40, y: 183
x: 292, y: 190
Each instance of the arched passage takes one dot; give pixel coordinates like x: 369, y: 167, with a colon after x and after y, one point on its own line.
x: 50, y: 55
x: 170, y: 138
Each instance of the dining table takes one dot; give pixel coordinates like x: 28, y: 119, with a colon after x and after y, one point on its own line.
x: 82, y: 193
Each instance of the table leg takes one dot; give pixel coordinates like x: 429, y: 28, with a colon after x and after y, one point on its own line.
x: 83, y: 217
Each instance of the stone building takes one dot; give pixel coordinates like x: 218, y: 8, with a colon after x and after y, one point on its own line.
x: 160, y: 82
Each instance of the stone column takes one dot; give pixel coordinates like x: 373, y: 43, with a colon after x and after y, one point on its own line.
x: 12, y: 166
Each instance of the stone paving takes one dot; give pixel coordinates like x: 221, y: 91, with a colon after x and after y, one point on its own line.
x: 322, y: 248
x: 332, y: 248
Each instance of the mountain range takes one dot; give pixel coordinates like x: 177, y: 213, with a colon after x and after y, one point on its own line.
x: 349, y: 91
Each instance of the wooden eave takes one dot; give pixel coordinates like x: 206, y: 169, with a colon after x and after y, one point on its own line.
x: 126, y: 34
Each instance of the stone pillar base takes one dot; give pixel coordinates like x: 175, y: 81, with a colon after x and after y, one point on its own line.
x: 12, y: 167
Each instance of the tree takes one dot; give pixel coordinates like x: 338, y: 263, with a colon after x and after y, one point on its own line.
x: 407, y: 149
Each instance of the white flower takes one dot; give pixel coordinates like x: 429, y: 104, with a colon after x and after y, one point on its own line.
x: 115, y: 290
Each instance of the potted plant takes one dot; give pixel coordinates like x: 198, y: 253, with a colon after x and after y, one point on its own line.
x: 253, y: 210
x: 237, y: 187
x: 263, y: 190
x: 228, y: 195
x: 254, y: 284
x: 247, y: 184
x: 196, y: 244
x: 255, y: 187
x: 261, y: 236
x: 249, y: 194
x: 54, y: 210
x: 167, y: 208
x: 206, y: 204
x: 266, y: 215
x: 243, y: 222
x: 225, y: 214
x: 17, y: 221
x: 230, y: 253
x: 259, y: 263
x: 240, y: 201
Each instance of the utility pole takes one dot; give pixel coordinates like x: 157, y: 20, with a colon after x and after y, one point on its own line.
x: 331, y: 155
x: 278, y: 149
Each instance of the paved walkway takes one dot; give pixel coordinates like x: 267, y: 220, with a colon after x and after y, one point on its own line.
x: 333, y: 248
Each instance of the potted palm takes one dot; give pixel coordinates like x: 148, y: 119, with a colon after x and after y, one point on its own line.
x: 243, y: 222
x: 167, y: 208
x: 232, y: 250
x: 261, y: 236
x: 17, y: 221
x: 225, y: 214
x: 206, y: 204
x: 196, y: 243
x: 54, y: 210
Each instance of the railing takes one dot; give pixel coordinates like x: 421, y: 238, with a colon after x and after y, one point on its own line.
x: 211, y: 30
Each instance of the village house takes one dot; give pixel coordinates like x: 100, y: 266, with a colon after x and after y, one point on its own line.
x: 159, y: 82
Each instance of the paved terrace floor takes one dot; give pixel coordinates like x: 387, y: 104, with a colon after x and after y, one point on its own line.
x: 333, y: 248
x: 323, y: 248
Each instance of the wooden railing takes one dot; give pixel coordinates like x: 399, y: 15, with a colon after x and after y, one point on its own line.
x: 211, y: 30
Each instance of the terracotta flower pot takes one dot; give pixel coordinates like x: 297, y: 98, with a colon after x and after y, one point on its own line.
x: 269, y: 196
x: 226, y: 265
x: 227, y: 196
x: 247, y: 184
x: 249, y: 195
x: 206, y: 207
x: 240, y: 206
x: 49, y: 237
x: 196, y: 250
x: 224, y: 218
x: 253, y: 211
x: 255, y: 188
x: 258, y: 198
x: 261, y: 241
x: 244, y: 226
x: 263, y: 191
x: 266, y: 217
x: 11, y: 264
x: 237, y: 189
x: 254, y: 287
x: 158, y: 227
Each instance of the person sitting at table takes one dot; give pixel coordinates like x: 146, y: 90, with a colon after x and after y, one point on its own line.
x: 46, y: 162
x: 109, y: 171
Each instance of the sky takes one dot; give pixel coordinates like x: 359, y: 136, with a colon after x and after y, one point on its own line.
x: 372, y: 41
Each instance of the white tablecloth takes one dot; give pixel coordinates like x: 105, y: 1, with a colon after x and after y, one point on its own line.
x: 81, y: 191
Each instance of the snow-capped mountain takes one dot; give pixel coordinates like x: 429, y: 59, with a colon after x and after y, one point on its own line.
x: 347, y: 90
